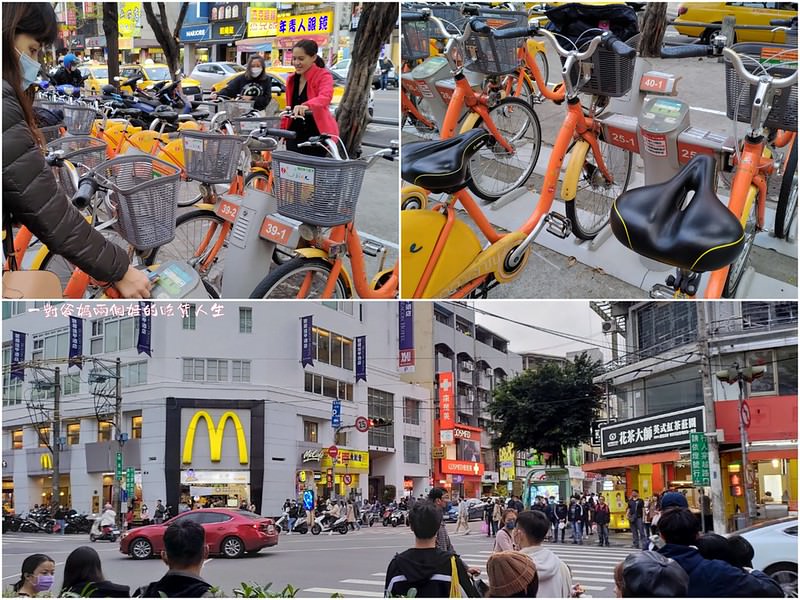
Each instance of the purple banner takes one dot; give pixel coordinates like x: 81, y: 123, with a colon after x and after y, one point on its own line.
x: 75, y: 342
x: 17, y: 355
x: 145, y: 329
x: 307, y: 340
x: 405, y: 331
x: 361, y: 358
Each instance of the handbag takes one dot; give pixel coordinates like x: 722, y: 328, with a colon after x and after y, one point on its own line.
x: 561, y: 525
x: 484, y: 527
x: 455, y: 584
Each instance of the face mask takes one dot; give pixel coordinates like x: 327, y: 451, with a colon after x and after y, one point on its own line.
x: 44, y: 583
x: 511, y: 524
x: 30, y: 70
x: 255, y: 72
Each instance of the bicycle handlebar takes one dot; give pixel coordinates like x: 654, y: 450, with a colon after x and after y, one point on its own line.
x: 688, y: 51
x: 274, y: 132
x: 412, y: 17
x: 613, y: 44
x: 86, y: 191
x: 608, y: 40
x: 776, y: 82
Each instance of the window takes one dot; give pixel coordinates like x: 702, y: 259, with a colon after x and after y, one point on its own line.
x: 442, y: 317
x: 12, y: 388
x: 347, y: 307
x: 310, y: 431
x: 766, y: 383
x: 380, y: 405
x: 787, y: 370
x: 73, y: 434
x: 411, y: 411
x: 136, y: 428
x: 103, y: 431
x: 44, y: 436
x: 340, y: 438
x: 662, y: 326
x: 12, y: 309
x: 245, y: 320
x: 411, y: 449
x: 329, y: 387
x: 241, y: 371
x: 52, y: 344
x: 199, y: 369
x: 70, y: 385
x: 216, y: 370
x: 113, y: 335
x: 194, y: 369
x: 463, y: 326
x: 333, y: 349
x: 16, y: 439
x: 190, y: 320
x: 134, y: 374
x: 767, y: 314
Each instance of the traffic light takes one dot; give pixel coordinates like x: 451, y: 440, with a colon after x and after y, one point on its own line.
x: 748, y: 374
x: 380, y: 422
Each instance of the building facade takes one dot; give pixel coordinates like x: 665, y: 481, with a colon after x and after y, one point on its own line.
x: 655, y: 400
x: 222, y: 411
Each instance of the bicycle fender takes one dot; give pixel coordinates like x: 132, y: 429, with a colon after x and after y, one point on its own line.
x: 469, y: 122
x: 317, y: 253
x: 569, y: 188
x: 206, y: 206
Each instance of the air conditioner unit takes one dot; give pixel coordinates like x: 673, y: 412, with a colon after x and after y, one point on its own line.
x: 610, y: 327
x: 467, y: 367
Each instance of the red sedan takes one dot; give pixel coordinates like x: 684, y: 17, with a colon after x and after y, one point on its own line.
x: 229, y: 532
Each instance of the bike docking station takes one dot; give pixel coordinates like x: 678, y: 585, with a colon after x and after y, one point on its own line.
x: 654, y: 126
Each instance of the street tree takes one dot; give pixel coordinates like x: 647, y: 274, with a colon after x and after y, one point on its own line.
x: 168, y: 38
x: 111, y: 31
x: 550, y: 408
x: 378, y: 20
x: 654, y: 24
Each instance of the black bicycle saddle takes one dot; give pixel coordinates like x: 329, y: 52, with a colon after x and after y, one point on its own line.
x: 703, y: 236
x: 442, y: 166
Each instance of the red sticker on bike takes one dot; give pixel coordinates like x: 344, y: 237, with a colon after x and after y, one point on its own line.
x: 275, y: 231
x: 227, y: 210
x: 653, y: 83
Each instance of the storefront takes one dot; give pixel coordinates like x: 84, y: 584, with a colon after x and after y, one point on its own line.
x: 262, y: 27
x: 228, y: 24
x: 345, y: 474
x: 308, y: 473
x: 96, y: 48
x: 8, y: 483
x: 195, y: 46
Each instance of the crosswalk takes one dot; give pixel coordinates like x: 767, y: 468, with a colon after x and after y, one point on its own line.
x: 34, y: 538
x: 591, y: 566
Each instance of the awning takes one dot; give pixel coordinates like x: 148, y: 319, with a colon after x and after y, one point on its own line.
x: 262, y: 44
x: 632, y: 461
x: 288, y: 42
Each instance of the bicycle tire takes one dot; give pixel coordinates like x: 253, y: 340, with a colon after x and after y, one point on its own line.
x: 513, y: 118
x: 187, y: 196
x: 786, y: 210
x: 589, y: 211
x: 739, y: 266
x: 283, y: 283
x: 188, y: 237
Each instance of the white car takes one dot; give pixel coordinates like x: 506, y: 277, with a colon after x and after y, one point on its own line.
x: 213, y: 72
x: 775, y: 545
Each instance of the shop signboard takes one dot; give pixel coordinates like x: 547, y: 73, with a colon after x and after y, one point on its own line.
x: 701, y: 473
x: 336, y: 414
x: 312, y: 455
x: 405, y: 330
x: 446, y: 401
x: 263, y: 22
x: 194, y: 33
x: 297, y: 25
x: 227, y: 30
x: 118, y: 467
x: 347, y: 459
x: 130, y: 481
x: 507, y: 466
x: 653, y: 433
x: 216, y: 433
x: 462, y: 467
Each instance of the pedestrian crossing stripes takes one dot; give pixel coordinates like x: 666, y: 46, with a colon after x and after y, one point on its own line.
x: 591, y: 566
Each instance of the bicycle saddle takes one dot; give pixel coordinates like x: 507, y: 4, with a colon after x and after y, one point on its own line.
x: 131, y: 112
x: 703, y: 236
x: 442, y: 166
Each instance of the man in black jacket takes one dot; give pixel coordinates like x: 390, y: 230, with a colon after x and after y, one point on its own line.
x: 562, y: 512
x: 416, y: 567
x: 184, y: 552
x: 69, y: 73
x: 636, y: 519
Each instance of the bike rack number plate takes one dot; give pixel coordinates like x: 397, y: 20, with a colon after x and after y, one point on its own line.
x: 277, y: 231
x: 227, y: 210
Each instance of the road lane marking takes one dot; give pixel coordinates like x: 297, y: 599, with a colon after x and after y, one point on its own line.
x: 346, y: 593
x: 362, y: 582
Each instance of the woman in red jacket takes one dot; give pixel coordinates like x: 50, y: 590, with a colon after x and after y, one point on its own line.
x: 309, y: 90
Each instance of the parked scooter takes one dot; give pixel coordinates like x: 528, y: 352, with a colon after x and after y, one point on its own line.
x: 299, y: 524
x: 77, y: 523
x: 398, y: 517
x: 324, y: 523
x: 108, y: 532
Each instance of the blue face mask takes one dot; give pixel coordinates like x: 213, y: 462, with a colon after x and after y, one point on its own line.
x: 511, y: 524
x: 30, y: 70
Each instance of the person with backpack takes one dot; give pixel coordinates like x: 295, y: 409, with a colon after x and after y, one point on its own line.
x: 431, y: 572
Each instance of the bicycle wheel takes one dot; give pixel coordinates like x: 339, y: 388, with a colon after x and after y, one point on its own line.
x: 590, y: 209
x: 55, y: 263
x: 188, y: 193
x: 526, y: 93
x: 739, y: 266
x: 787, y: 197
x: 287, y: 280
x: 201, y: 227
x: 495, y: 172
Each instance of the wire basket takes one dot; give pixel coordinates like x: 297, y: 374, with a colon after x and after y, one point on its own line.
x: 484, y: 53
x: 84, y: 152
x: 51, y: 133
x: 317, y: 191
x: 781, y: 62
x: 210, y: 157
x: 246, y: 125
x: 612, y: 74
x: 144, y: 193
x: 235, y: 109
x: 78, y: 119
x: 454, y: 20
x: 416, y: 40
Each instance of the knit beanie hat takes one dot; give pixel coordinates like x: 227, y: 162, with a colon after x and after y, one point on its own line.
x: 509, y: 573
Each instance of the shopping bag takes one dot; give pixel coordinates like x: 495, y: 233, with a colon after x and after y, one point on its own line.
x: 484, y: 527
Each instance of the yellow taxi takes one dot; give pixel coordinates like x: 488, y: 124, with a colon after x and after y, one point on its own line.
x: 745, y: 13
x: 97, y: 77
x: 279, y: 76
x: 154, y: 73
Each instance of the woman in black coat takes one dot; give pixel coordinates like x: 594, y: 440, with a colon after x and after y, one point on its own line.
x: 83, y: 575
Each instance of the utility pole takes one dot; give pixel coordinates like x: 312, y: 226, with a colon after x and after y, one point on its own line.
x: 118, y: 432
x: 717, y: 501
x: 56, y: 445
x: 337, y: 24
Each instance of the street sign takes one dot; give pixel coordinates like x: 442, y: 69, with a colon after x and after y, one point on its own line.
x: 336, y: 417
x: 130, y: 481
x: 701, y: 473
x: 348, y: 479
x: 745, y: 414
x: 118, y: 469
x: 362, y: 424
x: 438, y: 452
x: 333, y: 452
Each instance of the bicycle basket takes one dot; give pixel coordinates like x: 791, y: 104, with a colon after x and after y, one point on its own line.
x: 84, y: 152
x: 144, y: 193
x: 612, y: 74
x: 78, y: 119
x: 451, y: 15
x: 780, y: 61
x: 246, y: 125
x: 51, y: 133
x: 211, y: 158
x: 416, y: 40
x: 235, y: 109
x: 317, y: 191
x: 484, y: 53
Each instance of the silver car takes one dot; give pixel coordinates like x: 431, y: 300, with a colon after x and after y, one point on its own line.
x: 213, y: 72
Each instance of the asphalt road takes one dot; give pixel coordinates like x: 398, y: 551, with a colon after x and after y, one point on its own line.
x: 353, y: 564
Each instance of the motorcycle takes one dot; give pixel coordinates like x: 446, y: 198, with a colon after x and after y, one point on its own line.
x: 107, y: 532
x: 11, y: 523
x: 387, y: 515
x: 77, y: 523
x: 398, y: 517
x: 325, y: 523
x: 298, y: 526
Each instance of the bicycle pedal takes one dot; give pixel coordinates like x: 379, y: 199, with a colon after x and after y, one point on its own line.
x: 372, y: 248
x: 559, y: 225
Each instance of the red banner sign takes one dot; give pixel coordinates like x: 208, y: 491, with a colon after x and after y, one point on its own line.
x: 462, y: 467
x: 447, y: 405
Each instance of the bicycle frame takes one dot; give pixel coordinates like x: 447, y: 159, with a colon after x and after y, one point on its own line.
x: 527, y: 56
x: 408, y: 107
